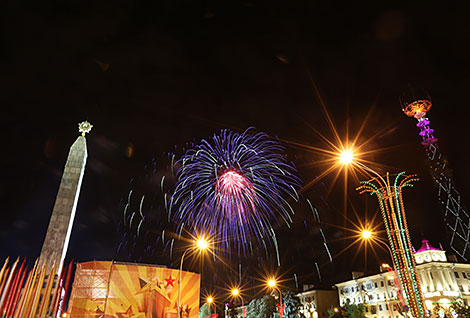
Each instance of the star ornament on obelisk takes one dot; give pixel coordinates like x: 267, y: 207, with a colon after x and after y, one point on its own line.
x: 84, y: 127
x: 58, y: 233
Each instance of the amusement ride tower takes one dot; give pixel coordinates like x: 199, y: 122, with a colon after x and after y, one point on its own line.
x: 455, y: 215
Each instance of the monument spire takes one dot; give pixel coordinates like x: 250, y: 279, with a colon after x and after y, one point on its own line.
x: 57, y: 238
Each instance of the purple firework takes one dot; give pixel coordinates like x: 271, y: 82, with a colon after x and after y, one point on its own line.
x: 234, y: 187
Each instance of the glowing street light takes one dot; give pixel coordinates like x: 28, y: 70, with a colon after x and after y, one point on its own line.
x: 346, y: 157
x: 210, y: 300
x: 236, y: 293
x: 201, y: 244
x: 272, y: 284
x: 366, y: 234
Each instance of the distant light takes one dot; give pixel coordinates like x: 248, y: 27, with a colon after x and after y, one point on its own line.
x: 235, y: 292
x: 346, y: 157
x: 335, y: 309
x: 366, y: 234
x: 210, y: 300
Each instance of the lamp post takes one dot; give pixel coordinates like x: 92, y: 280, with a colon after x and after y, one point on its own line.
x: 210, y: 300
x: 272, y: 284
x: 389, y: 195
x: 236, y: 293
x: 368, y: 235
x: 201, y: 244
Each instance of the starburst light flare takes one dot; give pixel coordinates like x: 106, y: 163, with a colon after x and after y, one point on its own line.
x: 346, y: 157
x: 366, y: 234
x: 236, y: 187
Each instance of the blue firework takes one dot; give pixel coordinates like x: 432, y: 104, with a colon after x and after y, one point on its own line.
x: 235, y: 187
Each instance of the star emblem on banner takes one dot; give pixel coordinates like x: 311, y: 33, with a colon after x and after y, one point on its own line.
x: 152, y: 286
x: 129, y: 313
x: 170, y: 281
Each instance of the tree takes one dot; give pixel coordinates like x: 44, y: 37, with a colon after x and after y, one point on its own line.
x: 252, y: 309
x: 461, y: 309
x: 336, y: 312
x: 292, y: 304
x: 204, y: 310
x: 355, y: 310
x: 261, y: 307
x: 348, y: 311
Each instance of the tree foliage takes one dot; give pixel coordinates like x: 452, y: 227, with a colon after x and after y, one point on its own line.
x: 266, y: 307
x: 292, y: 303
x: 457, y: 309
x: 261, y: 307
x: 348, y: 311
x: 461, y: 309
x: 204, y: 310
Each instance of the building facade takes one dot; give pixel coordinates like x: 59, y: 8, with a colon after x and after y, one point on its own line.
x: 316, y: 302
x: 442, y: 283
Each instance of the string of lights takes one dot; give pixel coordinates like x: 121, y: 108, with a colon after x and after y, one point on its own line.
x: 393, y: 212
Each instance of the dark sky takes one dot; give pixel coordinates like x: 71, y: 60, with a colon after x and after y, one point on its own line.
x: 150, y: 75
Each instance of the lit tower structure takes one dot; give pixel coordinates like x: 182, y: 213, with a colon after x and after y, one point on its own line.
x: 394, y: 218
x: 456, y: 217
x: 58, y: 233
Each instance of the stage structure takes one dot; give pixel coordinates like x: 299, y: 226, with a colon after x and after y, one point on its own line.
x: 456, y: 216
x: 394, y: 218
x: 114, y: 290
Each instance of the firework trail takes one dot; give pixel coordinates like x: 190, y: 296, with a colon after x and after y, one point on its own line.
x: 145, y: 225
x: 235, y: 187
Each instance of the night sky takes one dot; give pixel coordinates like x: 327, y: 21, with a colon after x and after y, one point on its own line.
x: 154, y: 75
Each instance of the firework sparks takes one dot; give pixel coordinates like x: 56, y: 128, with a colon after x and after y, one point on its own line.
x: 236, y: 187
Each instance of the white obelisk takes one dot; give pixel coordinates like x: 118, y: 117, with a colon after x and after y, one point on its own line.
x: 57, y: 238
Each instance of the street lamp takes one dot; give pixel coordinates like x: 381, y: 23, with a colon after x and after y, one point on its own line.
x: 200, y: 244
x: 346, y: 157
x: 389, y: 195
x: 210, y: 300
x: 272, y: 284
x: 366, y: 234
x: 236, y: 293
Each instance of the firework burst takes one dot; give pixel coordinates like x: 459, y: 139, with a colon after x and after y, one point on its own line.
x: 236, y: 187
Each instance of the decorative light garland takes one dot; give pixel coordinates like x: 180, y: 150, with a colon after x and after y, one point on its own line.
x: 393, y: 213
